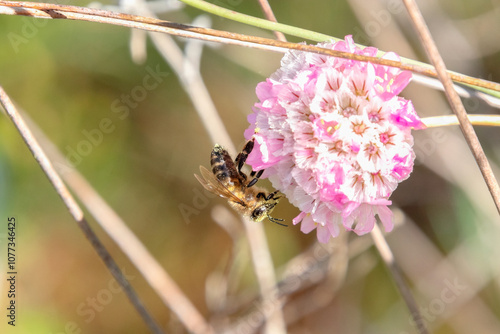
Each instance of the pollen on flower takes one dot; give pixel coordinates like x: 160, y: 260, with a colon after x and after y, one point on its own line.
x: 385, y: 138
x: 359, y: 127
x: 360, y: 91
x: 334, y: 137
x: 338, y: 147
x: 375, y: 116
x: 372, y: 150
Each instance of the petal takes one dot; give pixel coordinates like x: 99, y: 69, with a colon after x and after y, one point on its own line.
x: 299, y: 218
x: 405, y: 116
x: 333, y: 227
x: 385, y: 215
x: 307, y: 224
x: 323, y: 234
x: 365, y: 221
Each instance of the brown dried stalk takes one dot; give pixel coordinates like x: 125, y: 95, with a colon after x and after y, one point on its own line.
x: 405, y: 291
x: 53, y: 11
x: 74, y: 209
x: 454, y: 100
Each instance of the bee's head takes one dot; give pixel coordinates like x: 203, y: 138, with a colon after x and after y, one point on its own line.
x: 263, y: 211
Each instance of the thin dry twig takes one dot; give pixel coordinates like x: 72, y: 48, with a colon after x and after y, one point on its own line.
x: 454, y: 100
x: 386, y: 254
x: 74, y: 209
x: 463, y: 91
x: 52, y: 11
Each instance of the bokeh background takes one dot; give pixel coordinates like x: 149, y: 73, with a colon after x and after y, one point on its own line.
x: 68, y: 76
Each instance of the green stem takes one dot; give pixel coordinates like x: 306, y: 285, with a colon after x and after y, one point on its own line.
x: 297, y: 32
x: 257, y: 22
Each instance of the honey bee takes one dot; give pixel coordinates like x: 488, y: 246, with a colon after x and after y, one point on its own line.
x: 228, y: 181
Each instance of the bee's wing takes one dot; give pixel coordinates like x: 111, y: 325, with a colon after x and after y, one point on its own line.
x: 212, y: 184
x: 203, y: 180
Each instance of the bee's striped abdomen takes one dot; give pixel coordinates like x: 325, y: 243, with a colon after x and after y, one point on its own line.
x: 222, y: 165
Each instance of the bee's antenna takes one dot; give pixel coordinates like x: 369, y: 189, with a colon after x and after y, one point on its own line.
x: 277, y: 221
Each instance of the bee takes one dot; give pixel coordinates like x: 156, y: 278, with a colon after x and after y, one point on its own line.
x: 228, y: 181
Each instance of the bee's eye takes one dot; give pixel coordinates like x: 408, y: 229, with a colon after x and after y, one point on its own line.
x: 258, y: 214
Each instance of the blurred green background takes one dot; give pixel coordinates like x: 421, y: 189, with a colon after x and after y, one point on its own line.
x: 68, y: 76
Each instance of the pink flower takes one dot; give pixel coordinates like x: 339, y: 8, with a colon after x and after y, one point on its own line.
x: 334, y: 137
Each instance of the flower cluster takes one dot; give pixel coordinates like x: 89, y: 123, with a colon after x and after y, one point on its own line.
x: 334, y: 137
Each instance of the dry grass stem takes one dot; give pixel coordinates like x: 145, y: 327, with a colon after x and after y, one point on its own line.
x: 454, y: 100
x: 463, y: 91
x: 74, y: 209
x: 404, y: 290
x: 43, y: 10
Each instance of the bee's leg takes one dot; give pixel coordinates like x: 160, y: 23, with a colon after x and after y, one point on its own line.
x: 256, y: 178
x: 259, y: 173
x: 271, y: 195
x: 242, y: 158
x: 259, y: 195
x: 243, y: 155
x: 277, y: 221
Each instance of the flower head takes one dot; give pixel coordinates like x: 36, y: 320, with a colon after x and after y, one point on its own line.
x: 334, y: 137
